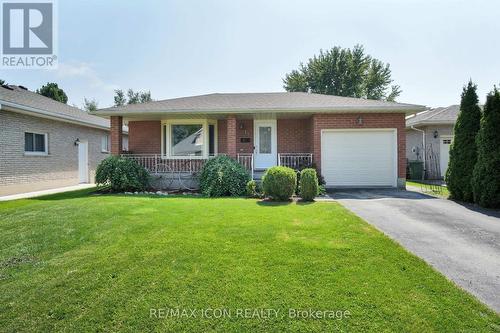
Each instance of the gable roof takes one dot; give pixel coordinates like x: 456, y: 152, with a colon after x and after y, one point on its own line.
x: 436, y: 116
x: 19, y: 98
x: 254, y: 102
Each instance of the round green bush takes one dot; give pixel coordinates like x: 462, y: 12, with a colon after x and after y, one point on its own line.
x: 309, y: 187
x: 223, y: 176
x: 279, y: 183
x: 122, y: 174
x: 252, y: 189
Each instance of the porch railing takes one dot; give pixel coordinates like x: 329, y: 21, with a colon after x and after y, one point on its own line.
x: 247, y: 161
x: 295, y: 161
x: 154, y: 163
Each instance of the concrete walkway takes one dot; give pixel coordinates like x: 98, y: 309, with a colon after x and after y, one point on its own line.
x: 461, y: 241
x: 45, y: 192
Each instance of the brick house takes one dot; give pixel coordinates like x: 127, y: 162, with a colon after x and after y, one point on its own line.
x: 352, y: 142
x: 45, y: 144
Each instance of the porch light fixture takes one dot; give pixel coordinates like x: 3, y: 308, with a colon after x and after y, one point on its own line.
x: 436, y: 134
x: 77, y: 141
x: 242, y: 126
x: 360, y: 120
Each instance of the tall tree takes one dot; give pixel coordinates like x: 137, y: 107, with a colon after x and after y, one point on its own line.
x: 52, y: 90
x: 344, y: 72
x: 486, y: 177
x: 463, y: 151
x: 145, y: 97
x: 133, y: 97
x: 89, y: 105
x: 119, y: 98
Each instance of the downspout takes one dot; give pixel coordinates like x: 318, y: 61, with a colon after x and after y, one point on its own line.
x: 423, y: 148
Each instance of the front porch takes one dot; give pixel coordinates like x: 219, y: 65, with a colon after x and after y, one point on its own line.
x: 178, y: 148
x: 158, y: 165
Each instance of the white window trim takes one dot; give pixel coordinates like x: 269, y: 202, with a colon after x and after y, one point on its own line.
x: 108, y: 136
x: 37, y: 153
x: 165, y: 142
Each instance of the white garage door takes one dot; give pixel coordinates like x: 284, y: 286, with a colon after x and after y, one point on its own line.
x: 359, y: 158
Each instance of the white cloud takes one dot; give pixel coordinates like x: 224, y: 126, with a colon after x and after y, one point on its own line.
x: 84, y: 71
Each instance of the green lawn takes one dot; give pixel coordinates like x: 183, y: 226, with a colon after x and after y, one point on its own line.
x: 434, y: 190
x: 80, y: 262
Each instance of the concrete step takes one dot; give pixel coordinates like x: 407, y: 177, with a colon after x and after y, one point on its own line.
x: 257, y: 174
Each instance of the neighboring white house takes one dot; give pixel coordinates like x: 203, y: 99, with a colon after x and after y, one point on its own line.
x: 432, y: 129
x: 45, y: 144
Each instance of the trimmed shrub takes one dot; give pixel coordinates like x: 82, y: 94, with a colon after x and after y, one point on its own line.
x: 121, y: 174
x: 252, y: 189
x: 279, y: 183
x: 463, y: 151
x: 309, y: 187
x: 223, y: 176
x: 486, y: 177
x: 321, y: 180
x: 322, y: 190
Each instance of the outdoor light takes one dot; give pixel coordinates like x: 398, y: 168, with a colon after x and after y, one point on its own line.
x: 77, y: 141
x: 360, y: 120
x: 242, y: 126
x: 436, y: 134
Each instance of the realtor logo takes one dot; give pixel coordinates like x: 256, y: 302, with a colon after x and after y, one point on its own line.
x: 28, y: 34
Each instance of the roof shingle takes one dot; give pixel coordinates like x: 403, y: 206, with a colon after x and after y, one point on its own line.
x: 29, y: 99
x: 446, y: 115
x: 259, y: 101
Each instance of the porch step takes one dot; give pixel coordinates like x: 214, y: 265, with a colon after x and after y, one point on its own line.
x: 257, y: 175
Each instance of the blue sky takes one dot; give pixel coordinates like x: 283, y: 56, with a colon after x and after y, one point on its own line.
x: 181, y: 48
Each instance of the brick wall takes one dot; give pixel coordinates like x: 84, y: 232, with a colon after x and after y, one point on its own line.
x: 144, y: 137
x: 245, y: 132
x: 116, y: 123
x: 222, y: 136
x: 231, y: 135
x: 348, y: 120
x: 23, y: 173
x: 294, y: 135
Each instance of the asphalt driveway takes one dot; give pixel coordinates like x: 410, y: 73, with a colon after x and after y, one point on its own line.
x: 460, y: 241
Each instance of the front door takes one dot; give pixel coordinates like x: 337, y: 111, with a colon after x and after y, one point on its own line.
x: 444, y: 153
x: 265, y: 151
